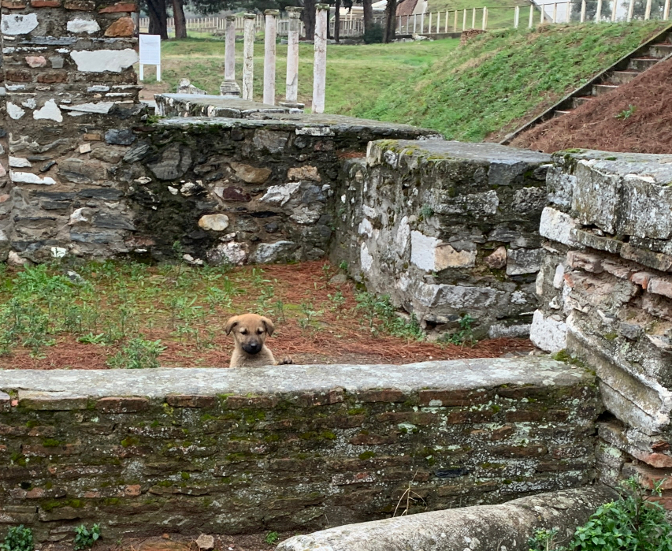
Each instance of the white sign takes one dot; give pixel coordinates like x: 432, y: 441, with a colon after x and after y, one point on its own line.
x: 150, y: 53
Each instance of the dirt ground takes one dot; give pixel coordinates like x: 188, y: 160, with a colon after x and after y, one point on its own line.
x: 247, y: 542
x: 634, y: 118
x: 319, y: 318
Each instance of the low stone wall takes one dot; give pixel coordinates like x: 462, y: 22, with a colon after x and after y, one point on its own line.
x: 446, y: 229
x: 285, y: 448
x: 606, y: 290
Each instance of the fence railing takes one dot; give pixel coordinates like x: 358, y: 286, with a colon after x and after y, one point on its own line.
x: 432, y: 23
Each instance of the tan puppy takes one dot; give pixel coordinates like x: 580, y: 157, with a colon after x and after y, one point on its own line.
x: 249, y: 334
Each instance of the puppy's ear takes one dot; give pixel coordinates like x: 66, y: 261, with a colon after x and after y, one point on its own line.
x: 268, y: 324
x: 231, y: 324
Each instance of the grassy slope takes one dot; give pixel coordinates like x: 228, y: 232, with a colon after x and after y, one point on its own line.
x: 355, y: 74
x: 500, y: 12
x: 501, y: 79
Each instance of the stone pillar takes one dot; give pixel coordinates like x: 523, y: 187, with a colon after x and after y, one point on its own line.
x: 248, y: 57
x: 230, y: 87
x: 320, y: 63
x: 292, y: 92
x: 269, y: 55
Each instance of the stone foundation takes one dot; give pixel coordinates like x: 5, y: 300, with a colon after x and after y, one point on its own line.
x: 446, y: 229
x: 285, y: 448
x: 606, y: 290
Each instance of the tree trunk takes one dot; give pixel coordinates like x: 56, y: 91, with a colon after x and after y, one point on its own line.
x: 390, y: 20
x: 308, y: 16
x: 368, y: 14
x: 337, y: 22
x: 158, y: 18
x: 180, y: 19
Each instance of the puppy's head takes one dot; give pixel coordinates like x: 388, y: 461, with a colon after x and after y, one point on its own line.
x: 250, y: 331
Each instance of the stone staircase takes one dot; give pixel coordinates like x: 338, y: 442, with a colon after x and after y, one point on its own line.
x: 623, y: 71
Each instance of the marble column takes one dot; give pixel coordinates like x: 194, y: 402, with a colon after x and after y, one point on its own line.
x: 320, y: 63
x: 248, y: 56
x: 269, y: 55
x: 230, y: 87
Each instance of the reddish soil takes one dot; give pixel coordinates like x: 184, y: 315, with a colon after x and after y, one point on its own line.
x: 176, y: 542
x: 634, y: 118
x: 338, y: 333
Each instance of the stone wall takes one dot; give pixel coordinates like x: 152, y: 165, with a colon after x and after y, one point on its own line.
x: 446, y: 229
x: 285, y: 448
x: 71, y: 97
x: 232, y: 190
x: 606, y: 290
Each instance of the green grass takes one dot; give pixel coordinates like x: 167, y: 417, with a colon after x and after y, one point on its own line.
x: 500, y: 12
x: 501, y: 79
x: 355, y: 74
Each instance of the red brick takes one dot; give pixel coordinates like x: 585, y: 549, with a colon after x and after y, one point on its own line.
x: 46, y: 451
x: 132, y: 490
x: 395, y: 417
x: 13, y: 4
x: 519, y: 451
x: 357, y: 478
x: 122, y: 405
x: 52, y: 77
x: 502, y: 433
x: 641, y: 279
x: 450, y: 398
x: 648, y: 476
x: 660, y: 286
x: 345, y: 421
x: 191, y: 401
x: 46, y: 3
x: 382, y: 395
x: 587, y: 261
x: 18, y: 75
x: 461, y: 417
x: 310, y: 399
x: 120, y: 7
x: 373, y: 439
x: 80, y: 5
x: 253, y: 402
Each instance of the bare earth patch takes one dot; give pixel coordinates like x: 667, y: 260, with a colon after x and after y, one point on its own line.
x: 317, y: 319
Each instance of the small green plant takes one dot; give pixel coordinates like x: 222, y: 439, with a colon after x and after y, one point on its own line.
x: 626, y: 113
x: 426, y: 212
x: 271, y: 538
x: 138, y: 353
x: 464, y: 335
x: 632, y: 523
x: 18, y: 538
x: 374, y: 35
x: 381, y: 314
x: 343, y: 265
x: 85, y: 538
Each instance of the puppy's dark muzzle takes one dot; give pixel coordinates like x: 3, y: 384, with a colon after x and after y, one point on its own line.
x: 252, y: 348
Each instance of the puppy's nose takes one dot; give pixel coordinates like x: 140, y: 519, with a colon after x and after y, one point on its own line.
x: 252, y: 347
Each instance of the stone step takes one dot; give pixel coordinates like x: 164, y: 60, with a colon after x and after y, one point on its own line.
x: 580, y: 100
x: 621, y: 77
x: 599, y: 89
x: 641, y: 63
x: 660, y: 50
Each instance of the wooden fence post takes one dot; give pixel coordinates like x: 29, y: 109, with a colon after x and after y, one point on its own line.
x: 647, y: 13
x: 598, y: 12
x: 516, y: 17
x: 583, y: 11
x: 666, y: 10
x: 531, y: 23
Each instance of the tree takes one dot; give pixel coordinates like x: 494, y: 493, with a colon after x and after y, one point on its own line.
x: 180, y: 19
x: 158, y: 18
x: 640, y: 8
x: 367, y: 8
x: 591, y: 10
x: 390, y: 20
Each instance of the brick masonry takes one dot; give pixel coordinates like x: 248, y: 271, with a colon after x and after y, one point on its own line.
x: 228, y: 451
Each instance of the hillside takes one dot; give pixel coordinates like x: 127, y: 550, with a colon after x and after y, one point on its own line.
x: 636, y: 118
x: 355, y: 73
x: 501, y: 79
x: 500, y: 12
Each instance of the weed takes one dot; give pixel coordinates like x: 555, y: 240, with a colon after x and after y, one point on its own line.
x: 271, y: 538
x: 85, y: 538
x: 464, y: 336
x: 407, y: 500
x: 381, y: 313
x: 630, y: 523
x: 343, y: 265
x: 626, y: 113
x: 309, y: 314
x: 137, y: 354
x: 18, y: 538
x: 337, y: 299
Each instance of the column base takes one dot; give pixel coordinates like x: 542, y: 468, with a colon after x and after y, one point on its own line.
x: 292, y: 105
x: 229, y: 88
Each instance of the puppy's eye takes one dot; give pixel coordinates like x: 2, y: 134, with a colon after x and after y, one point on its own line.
x: 243, y: 332
x: 260, y: 331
